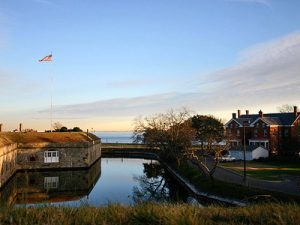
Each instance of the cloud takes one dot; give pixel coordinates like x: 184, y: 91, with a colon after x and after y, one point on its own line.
x: 265, y: 66
x: 120, y: 106
x: 266, y: 75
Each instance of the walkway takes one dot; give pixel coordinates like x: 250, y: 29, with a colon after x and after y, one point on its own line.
x: 289, y: 186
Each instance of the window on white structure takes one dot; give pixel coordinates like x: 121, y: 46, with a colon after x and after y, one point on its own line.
x: 51, y: 157
x: 51, y: 182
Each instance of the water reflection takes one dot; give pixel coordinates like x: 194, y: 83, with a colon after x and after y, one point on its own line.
x: 32, y: 187
x: 156, y: 185
x: 125, y: 181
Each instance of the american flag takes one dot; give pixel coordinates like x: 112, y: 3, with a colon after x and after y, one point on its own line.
x: 47, y: 58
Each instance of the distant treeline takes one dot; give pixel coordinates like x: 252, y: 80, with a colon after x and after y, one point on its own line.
x: 65, y: 129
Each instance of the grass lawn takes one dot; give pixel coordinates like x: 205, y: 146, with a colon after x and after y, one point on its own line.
x: 164, y: 214
x: 225, y: 189
x: 265, y: 170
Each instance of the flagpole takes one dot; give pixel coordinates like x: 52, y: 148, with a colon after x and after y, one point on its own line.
x: 51, y: 107
x: 48, y: 58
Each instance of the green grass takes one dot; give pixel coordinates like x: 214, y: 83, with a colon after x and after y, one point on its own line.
x: 266, y: 170
x: 153, y: 214
x: 224, y: 189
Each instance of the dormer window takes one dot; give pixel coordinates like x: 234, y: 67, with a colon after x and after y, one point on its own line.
x: 255, y: 133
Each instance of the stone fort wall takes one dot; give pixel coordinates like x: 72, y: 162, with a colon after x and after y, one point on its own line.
x: 32, y: 156
x: 8, y: 159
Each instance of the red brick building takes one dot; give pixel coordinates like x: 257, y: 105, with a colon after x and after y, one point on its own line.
x: 277, y: 132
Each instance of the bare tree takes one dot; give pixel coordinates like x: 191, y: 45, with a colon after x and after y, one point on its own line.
x: 171, y: 132
x: 57, y: 126
x: 285, y: 108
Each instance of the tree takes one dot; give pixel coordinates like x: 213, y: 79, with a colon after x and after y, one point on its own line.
x: 170, y: 132
x: 209, y: 130
x: 63, y: 129
x: 57, y: 126
x: 210, y: 133
x: 285, y: 108
x: 76, y: 129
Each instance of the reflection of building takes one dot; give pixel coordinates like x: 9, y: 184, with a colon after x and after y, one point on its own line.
x: 50, y: 186
x: 46, y: 151
x: 276, y: 132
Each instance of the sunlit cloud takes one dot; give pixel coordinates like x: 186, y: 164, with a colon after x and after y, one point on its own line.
x: 267, y: 74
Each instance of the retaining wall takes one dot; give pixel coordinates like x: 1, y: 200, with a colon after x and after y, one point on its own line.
x: 15, y: 157
x: 8, y: 159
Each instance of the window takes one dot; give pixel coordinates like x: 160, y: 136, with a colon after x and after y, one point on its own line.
x: 263, y: 125
x: 51, y: 157
x: 238, y: 132
x: 255, y: 133
x: 51, y: 182
x: 265, y: 133
x: 257, y: 125
x: 32, y: 158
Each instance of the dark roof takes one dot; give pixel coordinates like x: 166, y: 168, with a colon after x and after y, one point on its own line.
x: 285, y: 119
x: 242, y: 120
x: 272, y: 120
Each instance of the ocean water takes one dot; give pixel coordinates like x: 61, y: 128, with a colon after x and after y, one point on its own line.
x: 124, y: 137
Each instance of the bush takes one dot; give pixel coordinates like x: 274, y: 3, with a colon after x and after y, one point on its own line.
x: 76, y: 129
x: 63, y: 129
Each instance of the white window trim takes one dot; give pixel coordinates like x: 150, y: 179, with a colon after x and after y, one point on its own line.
x: 51, y: 182
x: 51, y: 157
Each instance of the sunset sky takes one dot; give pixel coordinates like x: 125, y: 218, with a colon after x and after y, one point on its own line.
x: 115, y: 60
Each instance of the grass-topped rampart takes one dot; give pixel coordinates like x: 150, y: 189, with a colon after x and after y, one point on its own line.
x: 38, y: 137
x: 153, y: 214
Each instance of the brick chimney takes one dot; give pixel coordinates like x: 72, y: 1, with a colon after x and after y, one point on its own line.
x: 261, y: 114
x: 1, y: 127
x: 247, y: 112
x: 295, y: 111
x: 20, y: 127
x: 239, y: 113
x: 233, y: 115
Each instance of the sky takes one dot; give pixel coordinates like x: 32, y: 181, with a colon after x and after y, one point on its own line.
x: 119, y: 59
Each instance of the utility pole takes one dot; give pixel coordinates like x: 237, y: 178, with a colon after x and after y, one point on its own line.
x: 245, y: 173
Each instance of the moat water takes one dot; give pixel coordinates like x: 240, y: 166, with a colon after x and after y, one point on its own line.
x: 110, y: 180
